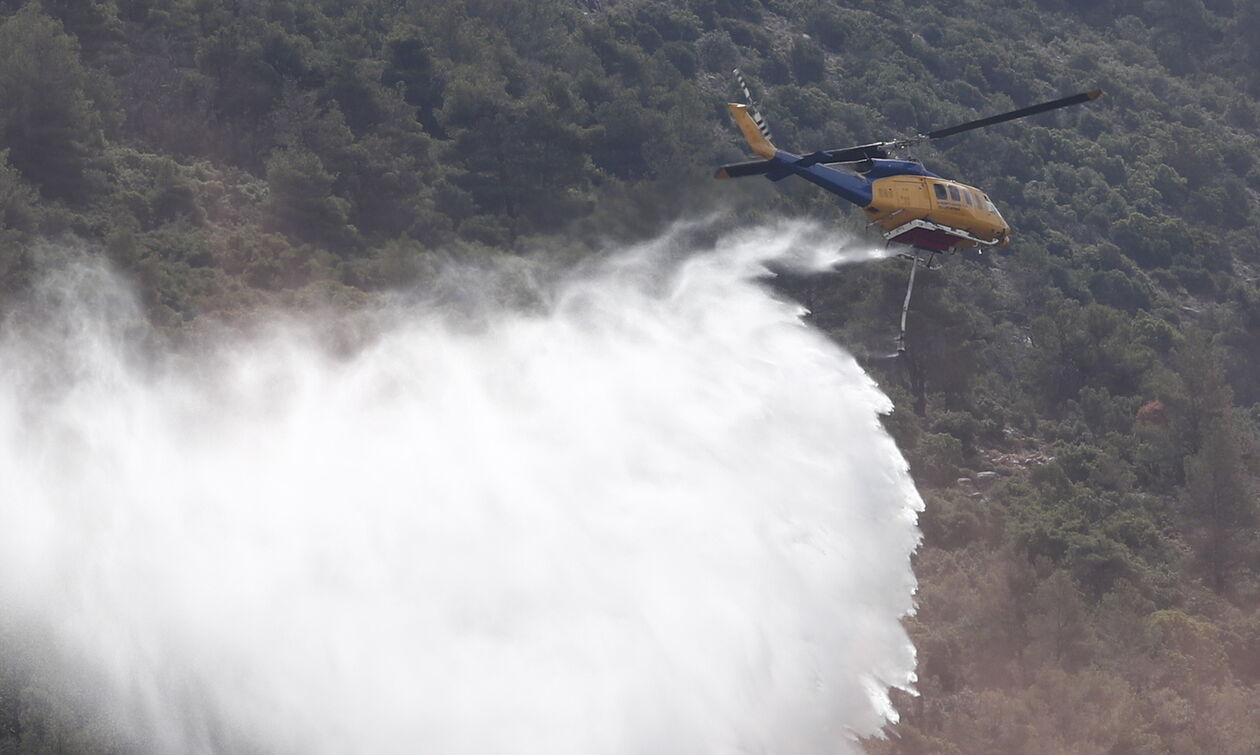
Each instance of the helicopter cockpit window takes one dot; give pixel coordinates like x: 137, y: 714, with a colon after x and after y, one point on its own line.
x: 940, y: 191
x: 953, y: 194
x: 967, y: 197
x: 988, y: 203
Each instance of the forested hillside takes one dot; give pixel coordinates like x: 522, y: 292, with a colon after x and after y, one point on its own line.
x: 1080, y: 409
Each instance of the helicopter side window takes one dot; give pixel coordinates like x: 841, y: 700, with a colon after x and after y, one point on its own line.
x: 966, y: 193
x: 940, y: 191
x: 953, y: 194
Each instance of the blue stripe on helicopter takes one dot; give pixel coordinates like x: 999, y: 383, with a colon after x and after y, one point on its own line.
x: 886, y: 168
x: 845, y: 185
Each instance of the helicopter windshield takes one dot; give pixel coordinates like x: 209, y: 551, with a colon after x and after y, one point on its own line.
x: 991, y: 208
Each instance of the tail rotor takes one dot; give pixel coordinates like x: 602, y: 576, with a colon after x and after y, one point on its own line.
x: 757, y: 118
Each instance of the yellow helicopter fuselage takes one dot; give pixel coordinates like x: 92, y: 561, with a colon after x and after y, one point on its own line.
x: 915, y: 209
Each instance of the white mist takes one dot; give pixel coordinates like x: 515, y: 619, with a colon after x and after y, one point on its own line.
x: 657, y: 515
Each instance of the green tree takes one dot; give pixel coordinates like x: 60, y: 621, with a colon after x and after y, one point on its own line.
x: 1218, y: 496
x: 521, y: 159
x: 1201, y: 397
x: 410, y: 65
x: 302, y: 204
x: 809, y: 65
x: 47, y: 122
x: 1058, y: 619
x: 16, y: 197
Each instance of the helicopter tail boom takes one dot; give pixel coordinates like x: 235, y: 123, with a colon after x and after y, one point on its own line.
x: 847, y: 186
x: 740, y: 170
x: 778, y: 164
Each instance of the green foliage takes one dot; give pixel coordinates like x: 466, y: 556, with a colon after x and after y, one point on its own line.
x: 936, y: 459
x: 301, y: 202
x: 828, y: 25
x: 717, y: 52
x: 48, y: 124
x: 1219, y: 497
x: 808, y: 63
x: 1099, y: 596
x: 959, y: 518
x: 16, y: 197
x: 410, y: 64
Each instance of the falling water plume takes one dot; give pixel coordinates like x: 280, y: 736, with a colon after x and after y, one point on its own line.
x: 655, y: 513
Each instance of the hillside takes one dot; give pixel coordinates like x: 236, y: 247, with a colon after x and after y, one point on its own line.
x: 1080, y: 409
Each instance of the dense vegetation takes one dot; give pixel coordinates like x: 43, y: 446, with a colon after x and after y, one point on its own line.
x: 1097, y: 594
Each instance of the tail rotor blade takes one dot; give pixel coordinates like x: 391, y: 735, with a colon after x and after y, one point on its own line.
x: 752, y: 106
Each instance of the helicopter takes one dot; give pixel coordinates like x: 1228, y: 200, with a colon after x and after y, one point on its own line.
x: 912, y: 206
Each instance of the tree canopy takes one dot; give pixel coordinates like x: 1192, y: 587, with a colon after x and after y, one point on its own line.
x: 1080, y: 410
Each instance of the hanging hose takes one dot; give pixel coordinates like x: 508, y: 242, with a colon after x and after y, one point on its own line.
x: 905, y: 307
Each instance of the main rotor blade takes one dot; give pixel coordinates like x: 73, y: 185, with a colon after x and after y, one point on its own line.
x: 854, y: 154
x: 1075, y: 99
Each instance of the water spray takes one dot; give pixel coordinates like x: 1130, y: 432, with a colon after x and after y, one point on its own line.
x: 658, y: 514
